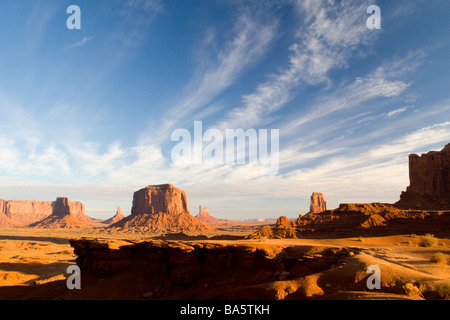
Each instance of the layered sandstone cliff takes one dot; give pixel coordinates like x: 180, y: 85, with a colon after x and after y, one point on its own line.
x: 160, y: 208
x: 17, y: 213
x: 200, y: 270
x: 65, y: 214
x: 429, y: 176
x: 20, y: 213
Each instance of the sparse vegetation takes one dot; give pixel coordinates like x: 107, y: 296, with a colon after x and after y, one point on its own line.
x: 428, y: 240
x: 443, y: 289
x: 412, y: 290
x: 360, y: 239
x: 440, y: 258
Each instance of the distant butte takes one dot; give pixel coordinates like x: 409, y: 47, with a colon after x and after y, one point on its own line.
x: 318, y: 203
x: 160, y: 208
x: 116, y: 218
x: 203, y: 215
x: 66, y: 215
x: 22, y: 213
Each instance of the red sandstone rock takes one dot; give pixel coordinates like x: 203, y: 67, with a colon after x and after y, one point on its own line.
x: 161, y: 208
x: 318, y: 203
x: 284, y: 222
x: 117, y: 217
x: 20, y: 213
x: 65, y: 214
x: 159, y: 198
x: 350, y: 220
x: 203, y: 215
x: 429, y: 176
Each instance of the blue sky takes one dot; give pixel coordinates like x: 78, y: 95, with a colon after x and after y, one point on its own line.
x: 89, y: 113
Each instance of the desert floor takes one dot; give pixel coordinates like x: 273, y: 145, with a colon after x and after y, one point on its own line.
x: 31, y: 257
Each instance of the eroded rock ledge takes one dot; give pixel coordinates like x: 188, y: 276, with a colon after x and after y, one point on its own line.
x: 200, y: 270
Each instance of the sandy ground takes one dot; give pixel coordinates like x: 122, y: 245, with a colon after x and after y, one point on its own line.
x: 32, y: 256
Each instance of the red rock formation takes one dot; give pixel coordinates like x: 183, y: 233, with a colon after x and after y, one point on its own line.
x: 429, y: 176
x: 203, y: 215
x: 180, y: 270
x: 350, y: 220
x: 65, y: 214
x: 117, y: 217
x: 161, y: 208
x: 318, y: 203
x: 20, y: 213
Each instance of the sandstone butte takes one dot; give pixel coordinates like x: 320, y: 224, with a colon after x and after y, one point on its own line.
x: 204, y: 216
x: 318, y: 203
x: 65, y: 214
x: 429, y: 176
x: 20, y: 213
x: 116, y: 218
x: 160, y: 208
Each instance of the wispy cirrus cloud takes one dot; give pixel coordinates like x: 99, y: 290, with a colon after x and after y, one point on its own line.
x: 251, y: 38
x: 395, y: 112
x: 325, y: 41
x: 362, y: 90
x: 80, y: 43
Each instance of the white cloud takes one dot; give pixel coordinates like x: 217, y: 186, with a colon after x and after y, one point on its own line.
x: 326, y: 41
x: 396, y: 112
x: 251, y: 39
x: 354, y: 95
x: 80, y: 43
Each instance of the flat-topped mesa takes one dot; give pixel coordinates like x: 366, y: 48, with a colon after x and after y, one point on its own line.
x: 160, y: 208
x: 21, y: 213
x: 159, y: 198
x: 429, y: 176
x: 318, y: 203
x: 65, y: 214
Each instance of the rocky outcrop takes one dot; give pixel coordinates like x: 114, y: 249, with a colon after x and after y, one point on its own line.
x: 155, y: 269
x: 203, y: 215
x: 350, y: 220
x: 318, y: 203
x: 160, y: 208
x: 65, y: 214
x: 20, y: 213
x: 116, y: 218
x: 429, y: 176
